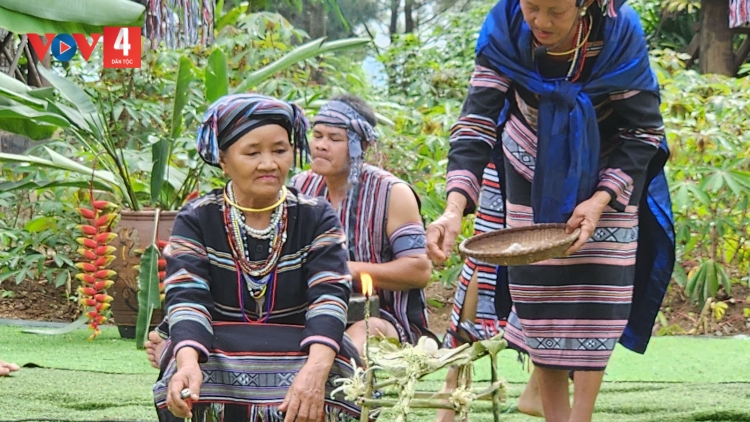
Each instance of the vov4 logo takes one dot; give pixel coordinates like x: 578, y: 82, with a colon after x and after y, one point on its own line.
x: 122, y: 46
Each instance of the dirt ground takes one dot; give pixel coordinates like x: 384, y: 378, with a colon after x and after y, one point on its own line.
x: 35, y: 300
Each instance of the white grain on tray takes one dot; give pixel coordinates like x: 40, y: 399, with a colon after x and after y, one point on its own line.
x: 515, y: 248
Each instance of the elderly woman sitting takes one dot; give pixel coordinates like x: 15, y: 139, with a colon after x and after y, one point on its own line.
x: 257, y: 283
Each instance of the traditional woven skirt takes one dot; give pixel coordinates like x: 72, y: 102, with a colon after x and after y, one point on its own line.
x: 249, y: 372
x: 569, y: 313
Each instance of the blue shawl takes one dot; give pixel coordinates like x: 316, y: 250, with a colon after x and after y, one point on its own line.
x: 567, y: 162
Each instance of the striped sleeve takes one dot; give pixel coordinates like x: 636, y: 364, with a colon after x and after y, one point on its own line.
x: 188, y: 300
x: 641, y: 130
x: 474, y: 135
x: 328, y: 282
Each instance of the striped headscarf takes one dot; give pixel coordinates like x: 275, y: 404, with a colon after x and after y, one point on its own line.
x: 358, y: 130
x: 232, y: 116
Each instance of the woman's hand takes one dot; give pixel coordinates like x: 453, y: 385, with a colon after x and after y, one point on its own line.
x: 306, y: 397
x: 586, y: 217
x: 442, y: 233
x: 188, y: 375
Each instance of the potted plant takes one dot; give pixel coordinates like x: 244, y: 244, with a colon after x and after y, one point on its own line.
x: 39, y: 113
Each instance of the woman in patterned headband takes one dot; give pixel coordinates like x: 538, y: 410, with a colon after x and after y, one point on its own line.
x: 380, y: 214
x: 255, y: 270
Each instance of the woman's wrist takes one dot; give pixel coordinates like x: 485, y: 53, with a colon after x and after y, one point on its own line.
x: 186, y: 356
x: 602, y: 198
x: 455, y: 204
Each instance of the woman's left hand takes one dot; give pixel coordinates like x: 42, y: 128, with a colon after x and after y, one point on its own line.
x: 586, y: 217
x: 305, y: 399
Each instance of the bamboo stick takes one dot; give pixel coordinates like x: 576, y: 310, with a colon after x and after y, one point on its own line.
x: 495, y: 391
x: 417, y: 404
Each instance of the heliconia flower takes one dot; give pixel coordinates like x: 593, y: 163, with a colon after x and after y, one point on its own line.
x: 105, y: 237
x: 102, y: 298
x: 102, y: 205
x: 103, y: 220
x: 89, y: 230
x: 92, y: 314
x: 85, y: 266
x: 162, y: 263
x: 162, y: 275
x: 87, y: 291
x: 89, y: 243
x: 103, y: 260
x: 104, y: 284
x: 161, y: 244
x: 90, y: 302
x: 102, y: 307
x: 104, y: 274
x: 161, y: 286
x: 162, y: 296
x: 101, y: 319
x: 86, y: 278
x: 105, y: 250
x: 90, y: 214
x: 194, y: 194
x: 87, y: 253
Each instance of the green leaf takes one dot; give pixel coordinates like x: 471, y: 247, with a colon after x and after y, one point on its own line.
x: 217, y: 79
x: 18, y: 91
x: 20, y: 23
x: 39, y: 224
x: 77, y: 96
x: 26, y: 121
x: 80, y: 322
x: 160, y: 158
x: 303, y: 52
x: 88, y: 12
x: 148, y: 293
x: 61, y: 278
x: 185, y: 75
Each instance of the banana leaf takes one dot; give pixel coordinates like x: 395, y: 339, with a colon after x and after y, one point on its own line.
x: 88, y: 12
x: 185, y: 75
x: 303, y: 52
x: 26, y: 121
x: 148, y: 293
x: 77, y: 97
x: 20, y: 92
x: 217, y: 80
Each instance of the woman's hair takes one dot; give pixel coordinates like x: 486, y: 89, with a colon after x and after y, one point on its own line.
x: 359, y: 105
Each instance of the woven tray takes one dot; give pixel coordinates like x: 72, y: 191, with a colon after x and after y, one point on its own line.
x: 532, y: 244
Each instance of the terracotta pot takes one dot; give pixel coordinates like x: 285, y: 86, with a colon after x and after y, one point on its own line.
x: 135, y: 231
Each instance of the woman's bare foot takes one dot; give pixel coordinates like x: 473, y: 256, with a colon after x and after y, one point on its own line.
x: 6, y: 368
x: 154, y: 348
x: 530, y: 401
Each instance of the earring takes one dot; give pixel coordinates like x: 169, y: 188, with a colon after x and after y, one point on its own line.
x: 583, y: 11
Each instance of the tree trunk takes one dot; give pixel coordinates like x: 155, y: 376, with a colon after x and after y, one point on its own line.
x: 317, y: 19
x: 408, y: 16
x: 395, y: 5
x: 716, y: 50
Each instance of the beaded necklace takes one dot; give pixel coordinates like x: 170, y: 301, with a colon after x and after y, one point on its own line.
x: 258, y: 275
x: 579, y: 53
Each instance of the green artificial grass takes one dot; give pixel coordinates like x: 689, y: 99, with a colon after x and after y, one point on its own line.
x: 106, y: 353
x: 678, y: 379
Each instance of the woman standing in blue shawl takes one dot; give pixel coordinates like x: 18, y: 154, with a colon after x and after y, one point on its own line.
x: 582, y: 143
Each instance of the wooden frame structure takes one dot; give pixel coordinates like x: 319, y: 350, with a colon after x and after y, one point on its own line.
x: 13, y: 47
